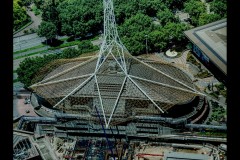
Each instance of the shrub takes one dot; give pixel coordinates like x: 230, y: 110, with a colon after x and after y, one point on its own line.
x: 32, y: 30
x: 25, y: 31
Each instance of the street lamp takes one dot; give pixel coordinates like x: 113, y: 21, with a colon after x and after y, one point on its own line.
x: 146, y: 44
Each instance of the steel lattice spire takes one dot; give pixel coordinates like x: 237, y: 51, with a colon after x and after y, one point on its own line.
x: 111, y: 42
x: 110, y: 28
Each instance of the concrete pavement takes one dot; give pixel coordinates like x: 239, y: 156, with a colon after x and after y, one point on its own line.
x: 36, y: 22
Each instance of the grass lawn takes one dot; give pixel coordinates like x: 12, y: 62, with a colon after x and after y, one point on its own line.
x: 27, y: 24
x: 217, y: 134
x: 30, y: 54
x: 68, y: 44
x: 29, y: 49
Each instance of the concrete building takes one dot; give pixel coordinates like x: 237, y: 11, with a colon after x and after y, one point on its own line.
x: 209, y: 44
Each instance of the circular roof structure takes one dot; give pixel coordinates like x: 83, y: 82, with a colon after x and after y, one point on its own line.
x: 147, y: 88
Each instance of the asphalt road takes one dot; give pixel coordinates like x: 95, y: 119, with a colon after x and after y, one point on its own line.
x: 29, y: 41
x: 25, y: 42
x: 25, y: 37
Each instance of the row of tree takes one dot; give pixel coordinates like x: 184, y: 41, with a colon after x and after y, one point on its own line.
x: 134, y: 18
x: 140, y: 23
x: 138, y: 32
x: 198, y: 12
x: 20, y: 17
x: 30, y: 66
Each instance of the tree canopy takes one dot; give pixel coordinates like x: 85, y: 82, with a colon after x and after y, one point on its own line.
x: 47, y: 29
x: 133, y: 32
x: 81, y: 17
x: 166, y: 16
x: 198, y: 11
x: 219, y: 7
x: 195, y: 8
x: 139, y: 31
x: 30, y: 66
x: 208, y: 18
x: 20, y: 17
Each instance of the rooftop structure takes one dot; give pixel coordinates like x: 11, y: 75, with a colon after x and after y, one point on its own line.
x: 23, y: 147
x: 186, y: 156
x: 115, y: 85
x: 210, y: 42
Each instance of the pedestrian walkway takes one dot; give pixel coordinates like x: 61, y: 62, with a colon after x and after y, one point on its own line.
x: 36, y: 22
x: 180, y: 61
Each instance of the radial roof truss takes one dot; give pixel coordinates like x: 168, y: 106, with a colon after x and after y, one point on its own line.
x: 113, y: 54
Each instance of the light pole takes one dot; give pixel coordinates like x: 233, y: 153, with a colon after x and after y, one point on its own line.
x: 146, y: 44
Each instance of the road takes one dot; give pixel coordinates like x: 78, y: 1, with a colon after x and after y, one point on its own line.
x: 29, y: 41
x: 25, y: 37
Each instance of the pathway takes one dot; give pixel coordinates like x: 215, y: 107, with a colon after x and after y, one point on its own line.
x: 36, y: 22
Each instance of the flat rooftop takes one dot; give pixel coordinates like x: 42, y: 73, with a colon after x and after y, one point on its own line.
x: 185, y: 156
x: 212, y: 40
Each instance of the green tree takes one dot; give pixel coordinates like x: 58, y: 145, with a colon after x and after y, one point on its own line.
x: 158, y: 40
x: 51, y: 14
x: 47, y: 29
x: 195, y: 8
x: 69, y: 53
x: 151, y: 8
x: 27, y: 2
x: 85, y: 45
x: 124, y: 9
x: 136, y: 43
x: 219, y: 7
x: 208, y: 18
x: 133, y: 33
x: 174, y: 4
x: 175, y: 31
x: 38, y: 3
x: 165, y: 16
x: 20, y: 17
x: 28, y: 68
x: 137, y: 23
x: 80, y: 17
